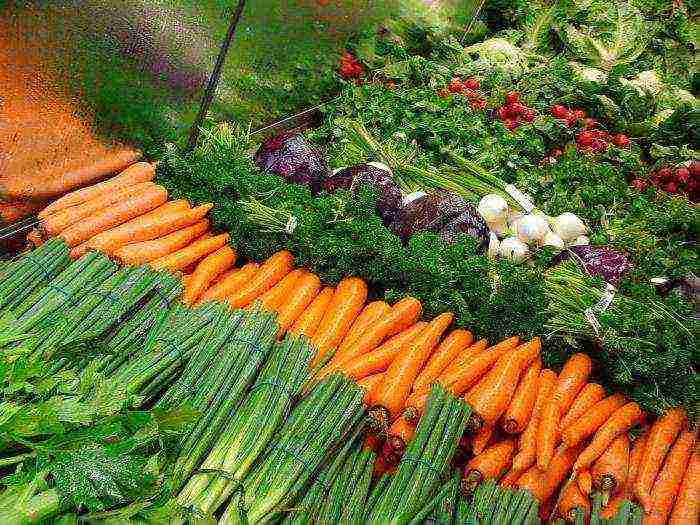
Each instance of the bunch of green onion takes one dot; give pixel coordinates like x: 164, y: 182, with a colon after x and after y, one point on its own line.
x: 491, y: 504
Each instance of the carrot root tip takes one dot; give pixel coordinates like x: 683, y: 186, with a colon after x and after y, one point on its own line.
x: 410, y: 414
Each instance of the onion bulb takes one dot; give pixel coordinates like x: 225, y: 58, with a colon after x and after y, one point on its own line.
x: 569, y: 227
x: 532, y: 229
x: 494, y: 245
x: 581, y: 240
x: 514, y: 249
x: 553, y: 240
x: 493, y: 208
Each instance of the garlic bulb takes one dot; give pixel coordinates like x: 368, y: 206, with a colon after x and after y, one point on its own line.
x: 514, y: 249
x: 581, y: 240
x: 568, y: 226
x: 493, y: 208
x: 532, y: 229
x: 553, y: 240
x: 494, y: 245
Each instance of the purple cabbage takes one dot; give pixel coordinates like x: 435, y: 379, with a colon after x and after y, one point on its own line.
x: 289, y: 155
x: 599, y: 261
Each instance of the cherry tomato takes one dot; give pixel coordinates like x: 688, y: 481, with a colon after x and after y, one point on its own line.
x: 621, y: 140
x: 683, y: 175
x: 455, y: 85
x: 512, y: 97
x: 556, y: 152
x: 640, y: 184
x: 671, y: 187
x: 529, y: 115
x: 472, y: 83
x: 585, y: 139
x: 664, y: 174
x: 559, y: 111
x: 502, y: 113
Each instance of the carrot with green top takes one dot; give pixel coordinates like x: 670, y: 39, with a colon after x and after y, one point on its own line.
x: 558, y: 469
x: 272, y: 299
x: 592, y: 420
x: 661, y: 436
x: 455, y: 342
x: 184, y: 257
x: 114, y: 215
x: 230, y: 283
x: 668, y: 483
x: 134, y: 254
x: 368, y: 316
x: 687, y: 506
x: 586, y: 398
x: 206, y: 271
x: 268, y: 275
x: 348, y: 300
x: 547, y: 432
x: 306, y: 290
x: 519, y: 410
x: 619, y: 422
x: 611, y: 469
x: 308, y: 321
x: 489, y: 464
x: 391, y: 394
x: 531, y: 480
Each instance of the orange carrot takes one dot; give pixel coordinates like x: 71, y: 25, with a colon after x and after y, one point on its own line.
x: 148, y: 227
x: 55, y: 223
x: 15, y: 210
x: 584, y: 480
x: 558, y: 468
x: 34, y: 238
x: 227, y: 285
x: 591, y: 421
x: 455, y: 342
x: 306, y: 289
x: 490, y: 464
x: 610, y: 470
x: 347, y: 302
x: 270, y: 273
x: 400, y: 433
x: 502, y: 382
x: 571, y: 502
x: 531, y: 480
x: 368, y: 316
x: 466, y: 357
x: 482, y: 437
x: 393, y: 392
x: 571, y: 380
x: 272, y: 299
x: 133, y: 254
x: 520, y: 408
x: 368, y: 383
x: 510, y: 478
x: 661, y: 436
x: 78, y: 251
x: 181, y: 259
x: 620, y: 422
x: 403, y: 314
x: 463, y: 378
x: 206, y: 271
x: 612, y: 508
x: 114, y: 215
x: 687, y: 507
x: 547, y: 432
x: 527, y: 453
x: 586, y: 398
x: 668, y: 483
x: 308, y: 321
x: 377, y: 361
x: 132, y: 175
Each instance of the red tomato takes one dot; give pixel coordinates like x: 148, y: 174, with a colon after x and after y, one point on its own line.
x: 455, y: 85
x: 559, y: 111
x: 512, y: 97
x: 599, y: 146
x: 664, y: 174
x: 556, y: 152
x: 529, y: 115
x: 683, y: 175
x: 671, y: 187
x: 502, y: 113
x: 516, y: 108
x: 472, y: 83
x: 621, y: 140
x: 640, y: 184
x: 585, y: 139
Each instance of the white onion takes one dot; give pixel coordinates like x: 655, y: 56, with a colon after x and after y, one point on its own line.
x: 581, y: 240
x: 553, y: 240
x: 499, y: 228
x: 494, y: 245
x: 493, y: 208
x: 532, y: 228
x: 568, y: 227
x: 514, y: 249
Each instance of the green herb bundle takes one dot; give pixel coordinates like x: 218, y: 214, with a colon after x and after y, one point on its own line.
x: 491, y: 504
x: 425, y: 462
x: 441, y: 510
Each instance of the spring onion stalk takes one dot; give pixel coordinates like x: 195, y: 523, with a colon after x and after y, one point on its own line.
x: 270, y: 220
x: 377, y: 492
x: 252, y: 427
x: 596, y: 508
x: 442, y: 508
x: 354, y: 509
x: 21, y: 277
x: 231, y: 364
x: 425, y: 461
x: 317, y: 425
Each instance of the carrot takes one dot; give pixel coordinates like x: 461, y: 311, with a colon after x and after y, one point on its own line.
x: 586, y: 398
x: 612, y: 508
x: 687, y: 507
x: 379, y: 360
x: 392, y: 393
x: 510, y: 478
x: 572, y: 379
x: 272, y: 299
x: 661, y: 436
x: 270, y: 273
x: 458, y: 381
x: 308, y: 321
x: 27, y: 187
x: 306, y: 289
x: 15, y: 210
x: 503, y: 380
x: 620, y: 422
x: 527, y: 453
x: 558, y: 468
x: 402, y: 315
x: 368, y: 383
x: 181, y: 259
x: 136, y: 253
x: 591, y: 421
x: 206, y: 271
x: 584, y: 480
x: 531, y: 480
x: 229, y: 284
x: 34, y: 238
x: 149, y: 227
x: 368, y: 316
x: 400, y: 433
x: 490, y: 464
x: 610, y: 470
x: 449, y: 348
x: 571, y: 502
x: 520, y: 408
x: 547, y: 432
x: 78, y: 251
x: 347, y: 302
x: 668, y: 483
x: 465, y: 358
x: 115, y: 215
x: 166, y: 207
x: 55, y: 223
x: 186, y: 278
x: 482, y: 437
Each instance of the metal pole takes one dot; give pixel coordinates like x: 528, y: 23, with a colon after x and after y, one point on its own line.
x: 210, y: 90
